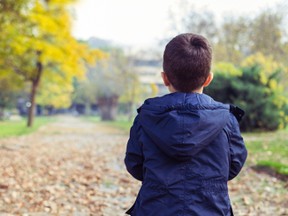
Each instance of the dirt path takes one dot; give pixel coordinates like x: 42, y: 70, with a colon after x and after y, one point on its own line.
x: 73, y: 167
x: 70, y: 167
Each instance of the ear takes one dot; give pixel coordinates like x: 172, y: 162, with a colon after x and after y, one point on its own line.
x: 208, y: 79
x: 165, y: 79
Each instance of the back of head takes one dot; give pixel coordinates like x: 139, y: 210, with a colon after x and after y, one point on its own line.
x: 187, y: 61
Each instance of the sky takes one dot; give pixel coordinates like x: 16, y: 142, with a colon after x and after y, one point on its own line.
x: 143, y: 23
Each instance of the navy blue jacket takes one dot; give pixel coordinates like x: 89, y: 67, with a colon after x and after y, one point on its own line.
x: 184, y: 147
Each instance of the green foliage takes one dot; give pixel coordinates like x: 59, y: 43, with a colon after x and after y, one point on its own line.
x: 83, y: 92
x: 258, y: 93
x: 9, y: 88
x: 112, y: 75
x: 110, y: 81
x: 108, y: 78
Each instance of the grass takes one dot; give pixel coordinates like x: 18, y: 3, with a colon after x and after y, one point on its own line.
x: 121, y: 123
x: 268, y: 149
x: 18, y: 127
x: 278, y: 167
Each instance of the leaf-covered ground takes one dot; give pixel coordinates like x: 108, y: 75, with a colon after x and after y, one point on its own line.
x: 73, y: 167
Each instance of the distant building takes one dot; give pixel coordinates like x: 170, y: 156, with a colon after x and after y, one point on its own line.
x: 149, y: 67
x: 146, y: 63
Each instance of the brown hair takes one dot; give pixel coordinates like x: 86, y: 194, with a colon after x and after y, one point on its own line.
x: 187, y: 61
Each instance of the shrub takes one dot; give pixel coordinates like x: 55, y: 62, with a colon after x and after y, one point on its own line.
x: 256, y: 92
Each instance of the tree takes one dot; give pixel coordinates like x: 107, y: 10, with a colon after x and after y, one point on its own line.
x: 199, y: 21
x: 233, y: 40
x: 268, y: 41
x: 133, y: 92
x: 11, y: 21
x: 111, y: 78
x: 236, y: 38
x: 83, y: 92
x: 9, y: 89
x: 45, y: 47
x: 55, y: 91
x: 242, y: 36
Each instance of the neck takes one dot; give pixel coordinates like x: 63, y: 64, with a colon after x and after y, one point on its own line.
x: 173, y: 90
x: 200, y: 90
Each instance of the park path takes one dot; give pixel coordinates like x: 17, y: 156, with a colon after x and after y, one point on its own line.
x: 75, y: 167
x: 70, y: 167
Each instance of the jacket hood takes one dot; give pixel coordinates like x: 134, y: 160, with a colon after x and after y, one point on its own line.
x: 182, y: 124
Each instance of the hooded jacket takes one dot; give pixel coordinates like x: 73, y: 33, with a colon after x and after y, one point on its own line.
x: 184, y: 147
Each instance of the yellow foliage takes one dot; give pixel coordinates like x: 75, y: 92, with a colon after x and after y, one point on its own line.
x: 45, y: 36
x: 65, y: 2
x: 226, y: 68
x: 269, y: 65
x: 273, y: 84
x: 56, y: 92
x: 154, y: 89
x: 263, y: 78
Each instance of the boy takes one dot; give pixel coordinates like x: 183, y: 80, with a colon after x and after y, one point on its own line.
x: 184, y: 146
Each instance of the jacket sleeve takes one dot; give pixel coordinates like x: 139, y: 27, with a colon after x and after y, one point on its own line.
x: 238, y: 151
x: 134, y: 155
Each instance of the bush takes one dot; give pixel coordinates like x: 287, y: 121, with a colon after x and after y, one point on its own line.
x: 259, y: 94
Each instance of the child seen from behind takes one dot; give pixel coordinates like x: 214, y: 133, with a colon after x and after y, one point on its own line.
x: 184, y: 147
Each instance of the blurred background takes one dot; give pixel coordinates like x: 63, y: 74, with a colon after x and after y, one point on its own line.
x: 104, y: 58
x: 98, y: 60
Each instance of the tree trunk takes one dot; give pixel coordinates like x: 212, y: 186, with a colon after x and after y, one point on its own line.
x: 130, y: 111
x: 108, y: 107
x: 1, y: 112
x: 34, y: 86
x: 31, y: 112
x: 132, y: 103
